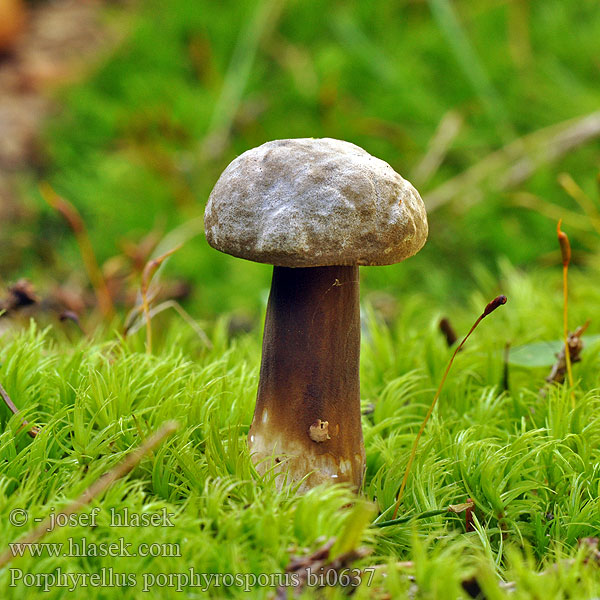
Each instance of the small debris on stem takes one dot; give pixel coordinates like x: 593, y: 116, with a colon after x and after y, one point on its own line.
x: 319, y: 431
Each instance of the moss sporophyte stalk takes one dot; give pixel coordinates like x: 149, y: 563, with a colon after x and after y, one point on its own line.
x: 490, y: 307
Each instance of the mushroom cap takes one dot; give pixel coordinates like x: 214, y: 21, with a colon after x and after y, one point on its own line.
x: 314, y: 202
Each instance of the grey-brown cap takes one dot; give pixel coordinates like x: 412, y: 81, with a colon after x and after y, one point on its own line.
x: 314, y: 202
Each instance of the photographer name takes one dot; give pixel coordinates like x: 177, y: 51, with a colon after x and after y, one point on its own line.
x: 118, y: 518
x: 125, y: 518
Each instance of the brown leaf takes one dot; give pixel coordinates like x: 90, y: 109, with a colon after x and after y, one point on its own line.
x: 557, y: 373
x: 320, y: 569
x: 19, y: 295
x: 591, y: 546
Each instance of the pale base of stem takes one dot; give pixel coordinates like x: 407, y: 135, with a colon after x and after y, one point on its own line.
x: 296, y: 463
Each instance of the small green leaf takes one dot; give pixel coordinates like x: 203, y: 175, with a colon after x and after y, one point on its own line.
x: 354, y: 528
x: 541, y: 354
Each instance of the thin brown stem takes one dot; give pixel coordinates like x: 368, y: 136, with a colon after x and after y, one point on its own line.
x: 147, y: 274
x: 96, y: 489
x: 76, y: 223
x: 565, y: 248
x: 493, y: 305
x: 32, y: 431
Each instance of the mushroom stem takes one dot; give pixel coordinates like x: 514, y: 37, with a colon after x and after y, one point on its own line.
x: 308, y: 406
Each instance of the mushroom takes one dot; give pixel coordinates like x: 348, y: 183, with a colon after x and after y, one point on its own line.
x: 316, y: 209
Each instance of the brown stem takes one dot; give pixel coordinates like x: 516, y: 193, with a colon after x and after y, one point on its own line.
x: 308, y: 404
x: 32, y: 431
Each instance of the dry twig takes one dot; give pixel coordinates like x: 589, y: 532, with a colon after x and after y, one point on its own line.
x: 76, y: 223
x: 517, y: 161
x: 319, y: 564
x: 96, y: 489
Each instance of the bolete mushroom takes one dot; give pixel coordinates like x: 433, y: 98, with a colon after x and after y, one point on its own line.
x: 316, y: 209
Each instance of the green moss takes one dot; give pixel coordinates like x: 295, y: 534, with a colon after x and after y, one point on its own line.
x: 529, y: 462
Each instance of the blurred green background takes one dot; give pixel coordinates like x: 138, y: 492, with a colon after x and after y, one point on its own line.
x: 480, y: 105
